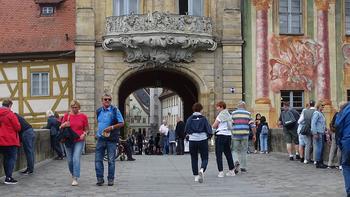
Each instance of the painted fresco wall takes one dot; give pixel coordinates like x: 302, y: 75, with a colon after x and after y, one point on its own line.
x: 314, y: 62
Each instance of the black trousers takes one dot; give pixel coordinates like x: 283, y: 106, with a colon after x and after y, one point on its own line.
x: 202, y: 148
x: 223, y: 145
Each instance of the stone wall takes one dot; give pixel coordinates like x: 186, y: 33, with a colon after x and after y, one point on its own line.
x: 43, y: 151
x: 276, y: 144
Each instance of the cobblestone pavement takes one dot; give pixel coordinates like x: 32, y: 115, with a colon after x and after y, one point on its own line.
x: 164, y: 176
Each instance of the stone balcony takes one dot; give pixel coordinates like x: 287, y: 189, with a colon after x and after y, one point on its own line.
x: 159, y: 37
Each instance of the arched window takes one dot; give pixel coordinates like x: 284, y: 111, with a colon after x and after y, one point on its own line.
x: 191, y: 7
x: 125, y: 7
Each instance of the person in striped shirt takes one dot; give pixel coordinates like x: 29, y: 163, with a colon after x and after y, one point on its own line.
x: 242, y: 124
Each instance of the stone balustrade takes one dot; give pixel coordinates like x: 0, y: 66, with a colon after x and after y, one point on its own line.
x: 43, y: 151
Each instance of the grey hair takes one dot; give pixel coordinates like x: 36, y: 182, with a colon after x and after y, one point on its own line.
x: 106, y: 95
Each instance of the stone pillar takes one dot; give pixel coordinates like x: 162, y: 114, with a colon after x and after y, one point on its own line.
x: 85, y: 64
x: 262, y: 52
x: 323, y: 70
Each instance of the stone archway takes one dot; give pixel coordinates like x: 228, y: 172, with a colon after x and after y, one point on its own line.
x: 181, y: 80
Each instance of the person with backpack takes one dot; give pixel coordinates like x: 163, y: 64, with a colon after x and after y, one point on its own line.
x: 223, y: 126
x: 263, y: 129
x: 318, y: 129
x: 109, y: 122
x: 304, y: 132
x: 288, y: 119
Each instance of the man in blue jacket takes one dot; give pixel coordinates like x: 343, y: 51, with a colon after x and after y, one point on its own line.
x: 342, y: 124
x: 109, y: 120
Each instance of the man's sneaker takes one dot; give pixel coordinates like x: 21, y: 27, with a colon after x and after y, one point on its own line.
x: 196, y: 178
x: 75, y: 181
x: 100, y: 182
x: 243, y: 170
x: 231, y: 173
x: 27, y: 172
x: 201, y: 175
x: 10, y: 181
x: 297, y: 157
x: 340, y: 168
x: 110, y: 182
x: 306, y: 161
x: 291, y: 158
x: 221, y: 174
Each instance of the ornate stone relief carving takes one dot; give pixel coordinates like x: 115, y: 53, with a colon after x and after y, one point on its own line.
x: 158, y: 37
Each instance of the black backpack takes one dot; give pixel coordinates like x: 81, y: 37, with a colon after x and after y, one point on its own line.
x: 306, y: 129
x: 288, y: 119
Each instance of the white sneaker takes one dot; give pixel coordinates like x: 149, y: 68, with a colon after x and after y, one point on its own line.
x: 221, y: 174
x: 231, y: 173
x: 340, y: 168
x: 196, y: 178
x: 201, y: 175
x: 74, y: 182
x: 315, y: 162
x: 305, y: 161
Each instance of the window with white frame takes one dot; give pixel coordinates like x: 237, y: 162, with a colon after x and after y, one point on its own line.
x: 47, y: 10
x: 191, y: 7
x: 347, y: 17
x: 40, y: 84
x: 295, y: 98
x: 291, y: 16
x: 125, y: 7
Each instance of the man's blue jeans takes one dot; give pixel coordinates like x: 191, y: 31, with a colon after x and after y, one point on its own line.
x: 346, y: 174
x: 319, y: 147
x: 28, y: 139
x: 165, y: 145
x: 101, y: 147
x: 73, y: 157
x: 10, y: 156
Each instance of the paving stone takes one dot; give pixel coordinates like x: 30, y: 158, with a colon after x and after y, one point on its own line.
x: 271, y: 175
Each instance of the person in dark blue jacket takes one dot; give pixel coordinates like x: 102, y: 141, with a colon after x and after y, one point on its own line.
x: 27, y: 137
x: 53, y: 125
x: 199, y: 130
x: 342, y: 124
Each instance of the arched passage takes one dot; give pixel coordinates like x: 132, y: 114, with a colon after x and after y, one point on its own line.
x: 179, y: 82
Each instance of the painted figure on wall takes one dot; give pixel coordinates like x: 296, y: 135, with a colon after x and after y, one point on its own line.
x: 293, y: 63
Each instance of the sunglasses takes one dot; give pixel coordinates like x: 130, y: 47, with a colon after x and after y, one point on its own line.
x: 107, y: 99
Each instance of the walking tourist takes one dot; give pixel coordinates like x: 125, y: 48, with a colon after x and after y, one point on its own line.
x: 288, y: 119
x: 172, y: 140
x: 318, y: 129
x: 242, y: 123
x: 343, y: 128
x: 78, y: 123
x: 263, y: 131
x: 163, y: 129
x: 9, y: 139
x: 199, y: 130
x: 27, y: 137
x: 180, y: 136
x: 109, y: 122
x: 223, y: 126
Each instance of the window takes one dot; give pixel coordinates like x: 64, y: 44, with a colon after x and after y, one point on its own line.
x: 348, y: 95
x: 295, y: 97
x: 40, y: 84
x: 191, y: 7
x: 47, y: 10
x: 125, y: 7
x: 290, y: 16
x: 347, y: 17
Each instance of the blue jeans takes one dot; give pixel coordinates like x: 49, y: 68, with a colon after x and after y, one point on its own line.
x: 101, y: 147
x: 73, y: 157
x: 165, y: 145
x: 10, y: 156
x: 263, y: 142
x: 28, y: 139
x: 202, y: 148
x: 346, y: 174
x: 319, y: 147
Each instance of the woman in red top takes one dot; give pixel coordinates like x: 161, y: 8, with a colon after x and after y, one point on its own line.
x: 79, y: 124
